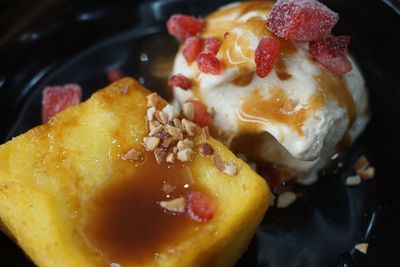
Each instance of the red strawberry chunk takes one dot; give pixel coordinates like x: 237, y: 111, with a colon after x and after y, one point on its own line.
x: 192, y: 48
x: 212, y: 45
x: 199, y: 206
x: 57, y: 98
x: 181, y: 81
x: 183, y: 26
x: 329, y: 52
x: 114, y: 75
x: 266, y: 56
x: 201, y: 115
x: 302, y: 20
x: 209, y: 63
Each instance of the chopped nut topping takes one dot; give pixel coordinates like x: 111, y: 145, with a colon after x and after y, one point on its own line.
x: 123, y: 90
x: 362, y: 247
x: 183, y: 144
x: 168, y: 141
x: 171, y: 111
x: 152, y: 99
x: 205, y: 149
x: 150, y: 113
x: 353, y: 180
x: 155, y: 130
x: 361, y: 164
x: 150, y: 143
x: 167, y: 188
x: 153, y: 124
x: 160, y: 155
x: 175, y: 205
x: 188, y: 110
x: 174, y: 132
x: 185, y: 154
x: 177, y: 123
x: 368, y: 173
x: 132, y: 154
x: 206, y: 133
x: 170, y: 158
x: 161, y: 117
x: 174, y: 150
x: 230, y: 169
x: 285, y: 199
x: 189, y: 127
x: 162, y: 135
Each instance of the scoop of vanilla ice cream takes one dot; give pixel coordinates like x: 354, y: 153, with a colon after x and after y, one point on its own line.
x: 301, y: 110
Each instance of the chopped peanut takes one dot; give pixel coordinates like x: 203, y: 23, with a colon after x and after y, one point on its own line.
x: 150, y: 143
x: 132, y: 154
x: 175, y: 205
x: 152, y: 99
x: 188, y: 111
x: 185, y: 154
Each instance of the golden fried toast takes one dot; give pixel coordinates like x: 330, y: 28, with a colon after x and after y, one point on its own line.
x: 91, y: 188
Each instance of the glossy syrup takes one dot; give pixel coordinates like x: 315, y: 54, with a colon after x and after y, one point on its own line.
x: 124, y: 221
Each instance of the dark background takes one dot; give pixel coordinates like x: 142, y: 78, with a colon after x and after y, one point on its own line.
x: 61, y: 41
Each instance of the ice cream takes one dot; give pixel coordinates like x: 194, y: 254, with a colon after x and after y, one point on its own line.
x: 295, y: 116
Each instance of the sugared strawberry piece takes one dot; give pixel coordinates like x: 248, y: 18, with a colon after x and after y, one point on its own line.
x: 201, y: 116
x: 302, y: 20
x: 57, y: 98
x: 266, y: 55
x: 199, y: 206
x: 181, y: 81
x: 192, y: 48
x: 329, y: 52
x: 114, y: 75
x: 183, y: 26
x: 212, y: 45
x: 208, y: 63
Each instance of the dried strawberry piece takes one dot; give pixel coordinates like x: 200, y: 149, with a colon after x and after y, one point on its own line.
x: 199, y: 206
x: 329, y: 52
x: 266, y: 55
x: 212, y: 45
x: 201, y: 115
x: 181, y: 81
x: 114, y: 75
x: 302, y: 20
x: 192, y: 48
x: 57, y: 98
x: 183, y: 26
x: 208, y: 63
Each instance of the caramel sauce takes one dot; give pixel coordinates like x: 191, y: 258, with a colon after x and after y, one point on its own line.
x: 237, y: 49
x: 224, y: 20
x: 278, y: 108
x: 124, y: 221
x: 244, y: 79
x: 257, y: 110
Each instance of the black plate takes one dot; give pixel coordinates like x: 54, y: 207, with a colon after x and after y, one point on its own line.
x: 55, y: 42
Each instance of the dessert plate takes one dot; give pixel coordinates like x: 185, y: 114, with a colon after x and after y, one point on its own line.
x: 57, y: 42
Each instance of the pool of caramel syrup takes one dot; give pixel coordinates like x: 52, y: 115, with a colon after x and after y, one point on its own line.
x: 124, y: 221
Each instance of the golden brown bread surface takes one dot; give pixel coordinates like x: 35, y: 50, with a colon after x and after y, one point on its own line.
x: 48, y: 174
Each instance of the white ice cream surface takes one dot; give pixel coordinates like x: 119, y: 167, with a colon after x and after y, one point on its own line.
x: 321, y: 131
